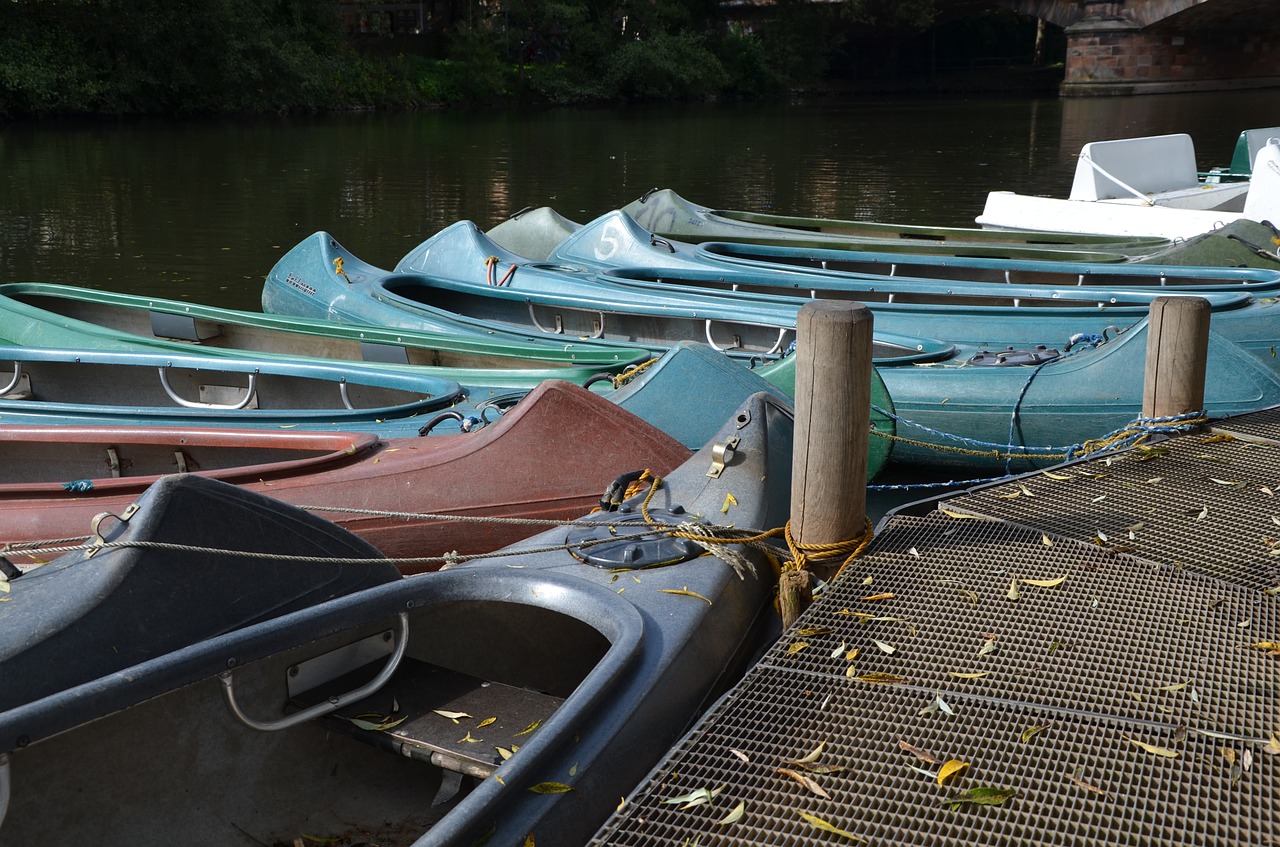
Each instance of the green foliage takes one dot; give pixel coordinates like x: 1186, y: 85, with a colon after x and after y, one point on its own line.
x: 664, y: 67
x: 229, y: 56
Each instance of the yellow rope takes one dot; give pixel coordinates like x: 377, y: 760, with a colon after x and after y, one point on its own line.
x: 631, y: 373
x: 801, y: 553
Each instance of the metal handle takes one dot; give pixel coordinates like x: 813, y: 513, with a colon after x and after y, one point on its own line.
x: 195, y: 404
x: 17, y: 378
x: 328, y: 706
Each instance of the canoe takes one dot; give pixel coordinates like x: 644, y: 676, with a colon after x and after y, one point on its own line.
x: 551, y: 457
x: 1051, y: 407
x: 1146, y: 186
x: 1227, y: 259
x: 669, y: 215
x: 39, y: 313
x: 975, y: 316
x: 101, y: 388
x: 456, y: 277
x: 49, y: 315
x: 583, y: 671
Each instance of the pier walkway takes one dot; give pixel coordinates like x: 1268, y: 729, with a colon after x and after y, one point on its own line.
x: 1086, y: 654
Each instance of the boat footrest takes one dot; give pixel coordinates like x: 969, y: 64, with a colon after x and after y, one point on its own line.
x: 452, y: 720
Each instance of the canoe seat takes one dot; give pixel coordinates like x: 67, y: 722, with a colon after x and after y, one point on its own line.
x: 408, y: 720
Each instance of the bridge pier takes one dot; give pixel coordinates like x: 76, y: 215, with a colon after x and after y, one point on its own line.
x: 1125, y: 47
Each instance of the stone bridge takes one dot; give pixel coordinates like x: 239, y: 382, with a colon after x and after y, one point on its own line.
x: 1154, y: 46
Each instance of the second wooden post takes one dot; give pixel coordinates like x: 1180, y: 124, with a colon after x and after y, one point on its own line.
x: 1177, y: 350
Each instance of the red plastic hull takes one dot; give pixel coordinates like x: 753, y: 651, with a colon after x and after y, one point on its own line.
x: 551, y: 457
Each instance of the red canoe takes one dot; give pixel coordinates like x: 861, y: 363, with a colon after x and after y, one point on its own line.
x: 551, y: 456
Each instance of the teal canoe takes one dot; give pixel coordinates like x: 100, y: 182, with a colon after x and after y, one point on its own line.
x: 977, y: 316
x: 492, y: 374
x: 112, y: 388
x: 669, y: 215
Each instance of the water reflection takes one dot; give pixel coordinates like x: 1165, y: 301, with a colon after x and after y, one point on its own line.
x: 202, y: 209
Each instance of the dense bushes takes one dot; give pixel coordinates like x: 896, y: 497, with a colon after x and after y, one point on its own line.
x: 245, y: 56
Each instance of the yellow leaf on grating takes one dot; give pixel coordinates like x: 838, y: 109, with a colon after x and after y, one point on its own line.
x: 950, y: 769
x: 1151, y: 748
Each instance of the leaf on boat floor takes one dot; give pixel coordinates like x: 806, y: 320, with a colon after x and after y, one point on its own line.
x: 1177, y: 686
x: 453, y: 716
x: 818, y: 823
x: 880, y: 678
x: 884, y: 646
x: 383, y: 723
x: 1013, y: 593
x: 810, y: 631
x: 976, y: 675
x: 1272, y: 648
x: 684, y: 592
x: 806, y: 782
x: 797, y: 647
x: 872, y: 597
x: 985, y: 796
x: 1152, y: 748
x: 988, y: 646
x: 530, y: 728
x: 551, y: 788
x: 741, y: 755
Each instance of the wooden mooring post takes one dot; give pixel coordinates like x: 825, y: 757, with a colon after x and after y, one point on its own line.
x: 833, y: 417
x: 1177, y: 354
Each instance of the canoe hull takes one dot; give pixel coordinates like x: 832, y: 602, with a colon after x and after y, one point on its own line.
x: 549, y: 458
x: 620, y: 663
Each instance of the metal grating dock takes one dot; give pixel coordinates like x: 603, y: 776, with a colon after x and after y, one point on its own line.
x: 1163, y: 555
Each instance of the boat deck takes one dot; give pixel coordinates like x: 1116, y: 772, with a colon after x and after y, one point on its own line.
x: 1091, y: 642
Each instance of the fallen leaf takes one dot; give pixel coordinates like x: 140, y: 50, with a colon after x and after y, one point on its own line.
x: 1013, y: 593
x: 1046, y: 540
x: 684, y: 592
x: 729, y: 500
x: 741, y: 755
x: 950, y: 769
x: 504, y: 753
x: 880, y: 679
x: 735, y: 815
x: 1272, y: 747
x: 485, y: 723
x: 385, y: 723
x: 1046, y: 583
x: 988, y: 646
x: 1058, y: 476
x: 797, y: 647
x: 1030, y: 733
x: 453, y: 716
x: 550, y: 787
x: 1075, y: 778
x: 1151, y: 748
x: 884, y: 646
x: 835, y: 654
x: 973, y: 597
x: 696, y: 797
x: 467, y: 739
x: 812, y: 756
x: 919, y: 754
x: 806, y: 782
x: 530, y: 728
x: 818, y: 823
x: 979, y: 797
x: 1177, y: 686
x: 810, y: 631
x: 977, y: 675
x: 884, y: 596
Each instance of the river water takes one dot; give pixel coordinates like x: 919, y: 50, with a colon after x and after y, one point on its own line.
x: 202, y: 209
